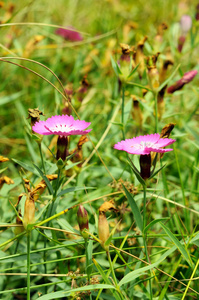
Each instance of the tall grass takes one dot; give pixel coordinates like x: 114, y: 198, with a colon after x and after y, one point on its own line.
x: 152, y: 250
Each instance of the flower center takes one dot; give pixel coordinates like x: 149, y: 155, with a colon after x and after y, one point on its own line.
x: 142, y: 145
x: 60, y: 127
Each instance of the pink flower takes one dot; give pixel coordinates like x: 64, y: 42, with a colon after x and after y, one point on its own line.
x: 185, y: 24
x: 61, y: 125
x: 69, y: 34
x: 144, y: 145
x: 187, y: 77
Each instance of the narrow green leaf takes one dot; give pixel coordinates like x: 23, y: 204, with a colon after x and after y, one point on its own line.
x: 63, y: 294
x: 153, y: 174
x: 25, y: 166
x: 168, y: 282
x: 104, y: 276
x: 141, y: 271
x: 153, y: 223
x: 137, y: 173
x: 90, y: 254
x: 139, y: 85
x: 127, y: 110
x: 115, y: 67
x: 134, y: 208
x: 49, y: 186
x: 67, y: 167
x: 43, y: 210
x: 74, y: 189
x: 100, y: 270
x: 178, y: 244
x: 133, y: 71
x: 2, y: 170
x: 168, y: 79
x: 10, y: 98
x: 108, y: 241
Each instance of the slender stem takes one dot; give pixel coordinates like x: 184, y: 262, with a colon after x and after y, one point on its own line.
x: 57, y: 184
x: 156, y: 111
x: 111, y: 267
x: 187, y: 287
x: 114, y: 276
x: 122, y: 117
x: 87, y: 260
x: 145, y: 236
x: 28, y: 264
x: 42, y: 160
x: 182, y: 188
x: 144, y: 208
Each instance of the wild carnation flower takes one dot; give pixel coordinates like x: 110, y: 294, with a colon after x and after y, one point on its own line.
x: 144, y: 145
x: 69, y: 34
x: 61, y: 125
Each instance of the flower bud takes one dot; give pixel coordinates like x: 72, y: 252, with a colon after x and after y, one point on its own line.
x: 187, y: 77
x: 153, y: 73
x: 69, y: 34
x: 181, y: 42
x: 161, y: 103
x: 165, y: 67
x: 136, y: 112
x: 139, y: 56
x: 82, y: 219
x: 145, y: 166
x: 103, y: 230
x: 62, y: 147
x: 125, y: 63
x: 29, y: 212
x: 197, y: 13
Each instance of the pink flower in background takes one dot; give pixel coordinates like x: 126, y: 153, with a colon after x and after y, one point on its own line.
x: 187, y: 77
x: 61, y: 125
x: 145, y: 144
x: 185, y: 24
x: 69, y: 34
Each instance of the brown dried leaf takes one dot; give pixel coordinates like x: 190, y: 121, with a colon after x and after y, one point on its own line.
x: 19, y: 198
x: 126, y: 49
x: 166, y: 130
x: 27, y: 184
x: 5, y: 180
x: 3, y: 159
x: 83, y: 139
x: 40, y: 187
x: 106, y: 206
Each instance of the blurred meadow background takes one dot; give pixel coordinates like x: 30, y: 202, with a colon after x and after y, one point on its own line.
x: 119, y: 65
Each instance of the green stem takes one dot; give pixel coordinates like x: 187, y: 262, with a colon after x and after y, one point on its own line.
x: 114, y: 276
x: 182, y: 187
x: 87, y: 260
x: 112, y: 269
x: 156, y: 111
x: 28, y: 264
x: 145, y: 236
x: 42, y: 160
x: 57, y: 184
x: 122, y: 117
x: 144, y: 208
